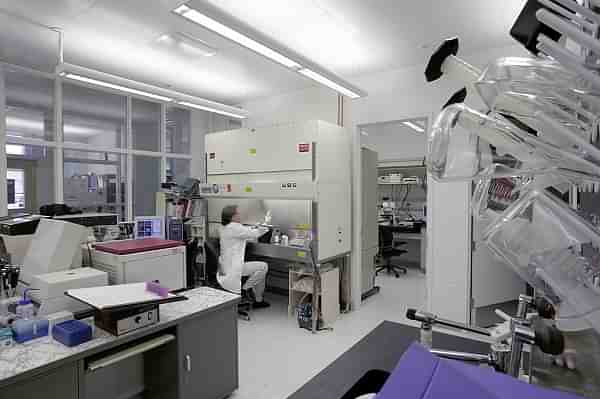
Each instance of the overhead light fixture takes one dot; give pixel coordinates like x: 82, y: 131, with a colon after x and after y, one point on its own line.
x: 116, y: 87
x: 414, y: 126
x: 329, y: 83
x: 209, y: 109
x: 236, y: 36
x: 187, y: 44
x: 294, y: 62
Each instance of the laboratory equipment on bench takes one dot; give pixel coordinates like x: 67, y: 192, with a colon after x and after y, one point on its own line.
x: 72, y: 332
x: 150, y: 227
x: 120, y: 309
x: 133, y: 261
x: 508, y: 341
x: 9, y: 280
x: 422, y: 375
x: 54, y: 247
x: 48, y: 289
x: 17, y: 225
x: 536, y: 146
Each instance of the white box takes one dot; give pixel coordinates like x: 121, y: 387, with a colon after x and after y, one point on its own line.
x: 50, y: 288
x: 165, y: 265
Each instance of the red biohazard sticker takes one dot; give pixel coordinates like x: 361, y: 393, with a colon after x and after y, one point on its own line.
x: 304, y: 147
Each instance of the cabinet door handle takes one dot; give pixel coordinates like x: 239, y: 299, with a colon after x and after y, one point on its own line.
x: 188, y: 363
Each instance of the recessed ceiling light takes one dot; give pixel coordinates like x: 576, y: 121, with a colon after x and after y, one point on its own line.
x: 187, y: 44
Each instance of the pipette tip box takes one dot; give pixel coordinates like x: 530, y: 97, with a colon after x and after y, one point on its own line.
x: 72, y: 333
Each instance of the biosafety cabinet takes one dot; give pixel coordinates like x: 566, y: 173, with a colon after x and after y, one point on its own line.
x: 298, y: 172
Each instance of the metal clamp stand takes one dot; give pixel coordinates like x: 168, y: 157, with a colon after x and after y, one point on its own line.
x: 503, y: 357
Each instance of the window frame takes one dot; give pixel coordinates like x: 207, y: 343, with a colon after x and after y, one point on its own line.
x: 59, y: 145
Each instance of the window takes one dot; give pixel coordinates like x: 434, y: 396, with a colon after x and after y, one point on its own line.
x: 178, y: 130
x: 29, y: 105
x: 95, y: 181
x: 94, y: 117
x: 146, y: 125
x: 178, y: 170
x: 104, y: 132
x: 15, y: 180
x: 32, y: 170
x: 146, y: 183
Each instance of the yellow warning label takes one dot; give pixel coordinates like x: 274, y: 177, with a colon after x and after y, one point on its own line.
x: 252, y: 151
x: 248, y: 189
x: 301, y: 254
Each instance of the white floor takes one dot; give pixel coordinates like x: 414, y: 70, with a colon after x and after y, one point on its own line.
x: 277, y: 357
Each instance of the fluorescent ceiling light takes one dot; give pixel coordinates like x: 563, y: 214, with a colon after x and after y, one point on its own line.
x: 209, y: 109
x: 414, y: 126
x: 231, y: 34
x: 116, y: 87
x: 329, y: 83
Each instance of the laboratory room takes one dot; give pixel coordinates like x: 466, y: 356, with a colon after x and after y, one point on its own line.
x: 309, y: 199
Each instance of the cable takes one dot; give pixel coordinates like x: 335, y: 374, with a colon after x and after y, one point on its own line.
x: 90, y: 254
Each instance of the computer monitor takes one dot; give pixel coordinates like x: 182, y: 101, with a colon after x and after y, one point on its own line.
x: 149, y: 227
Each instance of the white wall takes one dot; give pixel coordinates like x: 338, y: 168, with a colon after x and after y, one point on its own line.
x: 302, y: 105
x: 201, y: 124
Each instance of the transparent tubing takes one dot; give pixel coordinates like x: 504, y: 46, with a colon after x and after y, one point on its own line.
x: 454, y: 153
x: 461, y: 71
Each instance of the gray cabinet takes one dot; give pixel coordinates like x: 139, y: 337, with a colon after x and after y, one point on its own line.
x: 208, y: 355
x: 369, y: 228
x: 59, y: 383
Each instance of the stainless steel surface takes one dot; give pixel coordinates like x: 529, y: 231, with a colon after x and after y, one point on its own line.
x: 464, y: 356
x: 129, y: 352
x: 521, y: 335
x: 292, y: 254
x: 137, y: 321
x: 501, y: 356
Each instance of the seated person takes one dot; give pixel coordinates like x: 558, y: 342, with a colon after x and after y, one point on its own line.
x: 232, y: 266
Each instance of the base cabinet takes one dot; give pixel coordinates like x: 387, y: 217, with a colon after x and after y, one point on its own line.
x: 59, y: 383
x: 208, y: 355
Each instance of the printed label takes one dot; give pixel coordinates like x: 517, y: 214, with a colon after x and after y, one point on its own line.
x: 288, y: 186
x: 303, y: 147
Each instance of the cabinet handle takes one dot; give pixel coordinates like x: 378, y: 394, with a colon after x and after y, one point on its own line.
x: 188, y: 363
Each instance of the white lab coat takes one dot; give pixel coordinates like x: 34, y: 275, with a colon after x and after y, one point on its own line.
x: 233, y: 248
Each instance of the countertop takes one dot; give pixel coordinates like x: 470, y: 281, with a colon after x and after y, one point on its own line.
x: 27, y: 357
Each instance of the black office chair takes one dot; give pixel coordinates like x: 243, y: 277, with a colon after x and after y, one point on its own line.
x: 212, y: 249
x: 387, y: 251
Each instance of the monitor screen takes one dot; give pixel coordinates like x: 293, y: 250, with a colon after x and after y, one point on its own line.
x: 149, y: 227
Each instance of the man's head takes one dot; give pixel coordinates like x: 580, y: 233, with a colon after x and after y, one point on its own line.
x: 230, y: 214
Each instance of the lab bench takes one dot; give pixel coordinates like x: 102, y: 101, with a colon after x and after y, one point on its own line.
x: 383, y: 347
x: 191, y: 353
x: 299, y: 265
